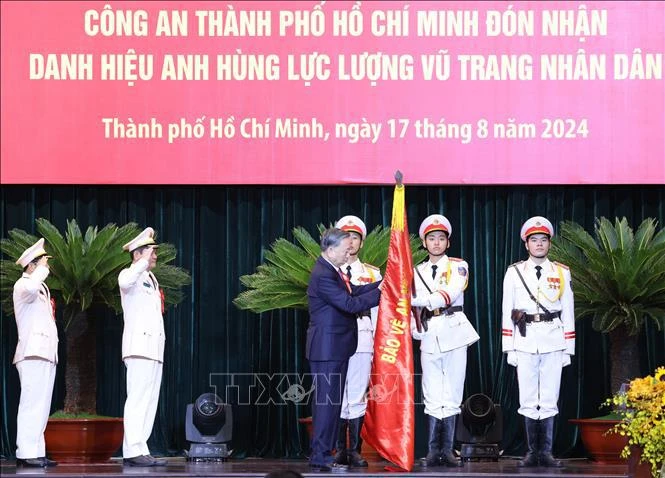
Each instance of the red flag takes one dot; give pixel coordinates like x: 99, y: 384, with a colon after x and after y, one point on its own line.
x: 389, y: 421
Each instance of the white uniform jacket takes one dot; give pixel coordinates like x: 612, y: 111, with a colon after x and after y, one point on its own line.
x: 444, y: 332
x: 362, y: 274
x: 37, y: 332
x: 143, y: 334
x: 553, y: 290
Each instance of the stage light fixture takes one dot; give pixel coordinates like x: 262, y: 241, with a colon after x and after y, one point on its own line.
x: 208, y: 426
x: 480, y: 428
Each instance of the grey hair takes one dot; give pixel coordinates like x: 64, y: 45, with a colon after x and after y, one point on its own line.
x: 332, y: 238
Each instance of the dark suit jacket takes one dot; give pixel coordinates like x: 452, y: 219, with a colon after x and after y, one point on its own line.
x: 333, y: 330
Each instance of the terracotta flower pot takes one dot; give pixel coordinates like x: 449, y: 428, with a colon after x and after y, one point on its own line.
x: 635, y: 468
x: 83, y: 440
x: 602, y: 446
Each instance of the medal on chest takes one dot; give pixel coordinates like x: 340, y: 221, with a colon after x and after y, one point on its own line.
x: 552, y: 288
x: 444, y: 277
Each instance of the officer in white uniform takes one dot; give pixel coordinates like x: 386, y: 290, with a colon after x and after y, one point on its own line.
x: 142, y: 347
x: 440, y: 283
x: 538, y: 299
x: 354, y: 401
x: 36, y: 355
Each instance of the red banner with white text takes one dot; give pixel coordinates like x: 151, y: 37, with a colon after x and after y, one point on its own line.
x: 336, y: 92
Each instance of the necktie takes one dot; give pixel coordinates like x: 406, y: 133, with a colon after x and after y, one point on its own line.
x: 348, y: 272
x: 434, y: 268
x: 538, y: 268
x: 346, y: 280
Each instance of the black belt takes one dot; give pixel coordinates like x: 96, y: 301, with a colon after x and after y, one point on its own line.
x: 544, y: 317
x: 447, y: 310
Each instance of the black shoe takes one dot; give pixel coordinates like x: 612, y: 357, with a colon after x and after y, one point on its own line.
x: 547, y: 460
x: 355, y: 459
x: 529, y: 460
x: 432, y: 459
x: 30, y: 463
x: 48, y: 462
x: 341, y: 458
x: 142, y: 460
x: 157, y: 461
x: 450, y: 460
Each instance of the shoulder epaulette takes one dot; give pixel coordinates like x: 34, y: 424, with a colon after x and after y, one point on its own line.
x: 561, y: 265
x: 455, y: 259
x: 515, y: 264
x: 370, y: 266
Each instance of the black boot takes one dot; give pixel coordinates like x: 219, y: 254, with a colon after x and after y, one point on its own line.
x: 545, y: 452
x: 531, y: 457
x: 433, y: 441
x: 353, y: 452
x: 340, y: 445
x: 447, y: 442
x: 48, y: 462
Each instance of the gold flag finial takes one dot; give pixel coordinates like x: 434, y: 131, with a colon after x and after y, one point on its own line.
x: 398, y: 203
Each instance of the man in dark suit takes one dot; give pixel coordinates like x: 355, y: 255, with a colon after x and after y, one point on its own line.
x: 332, y: 337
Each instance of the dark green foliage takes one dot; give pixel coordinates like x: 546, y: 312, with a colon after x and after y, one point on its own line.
x: 85, y: 268
x: 618, y: 276
x: 281, y: 282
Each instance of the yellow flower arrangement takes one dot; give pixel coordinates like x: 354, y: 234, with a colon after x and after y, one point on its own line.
x: 642, y: 411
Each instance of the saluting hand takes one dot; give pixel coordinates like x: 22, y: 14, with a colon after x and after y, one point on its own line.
x: 146, y: 253
x: 43, y: 261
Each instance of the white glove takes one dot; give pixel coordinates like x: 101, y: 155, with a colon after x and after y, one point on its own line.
x: 566, y: 360
x: 512, y: 358
x: 421, y: 301
x: 417, y: 335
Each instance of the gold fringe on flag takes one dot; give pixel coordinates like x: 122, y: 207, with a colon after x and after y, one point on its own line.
x: 398, y: 209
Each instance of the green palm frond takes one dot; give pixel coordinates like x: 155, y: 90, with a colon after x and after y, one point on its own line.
x: 281, y: 282
x: 85, y: 267
x: 618, y: 275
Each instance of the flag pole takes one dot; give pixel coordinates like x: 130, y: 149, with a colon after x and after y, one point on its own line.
x: 389, y: 424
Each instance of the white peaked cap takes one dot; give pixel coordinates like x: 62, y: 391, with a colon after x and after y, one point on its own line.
x: 352, y: 224
x: 146, y: 238
x: 536, y: 225
x: 435, y: 222
x: 32, y: 253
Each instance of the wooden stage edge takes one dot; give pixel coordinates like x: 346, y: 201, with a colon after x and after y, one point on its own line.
x: 258, y: 467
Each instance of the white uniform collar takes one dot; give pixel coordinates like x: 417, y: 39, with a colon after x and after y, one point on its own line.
x: 441, y: 262
x: 356, y: 266
x: 546, y: 265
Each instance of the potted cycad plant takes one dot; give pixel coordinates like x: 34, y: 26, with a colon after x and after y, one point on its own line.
x: 84, y: 273
x: 619, y: 282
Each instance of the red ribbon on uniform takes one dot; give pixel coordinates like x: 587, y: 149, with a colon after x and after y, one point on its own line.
x: 53, y: 307
x: 161, y: 295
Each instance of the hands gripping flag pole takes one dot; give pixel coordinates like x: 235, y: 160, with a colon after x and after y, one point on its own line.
x: 389, y: 421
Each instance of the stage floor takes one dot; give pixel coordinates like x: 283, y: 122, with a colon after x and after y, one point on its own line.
x: 257, y: 467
